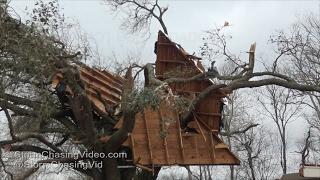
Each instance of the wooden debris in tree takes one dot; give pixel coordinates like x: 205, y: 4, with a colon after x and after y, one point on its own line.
x: 174, y: 61
x: 150, y: 148
x: 157, y: 138
x: 103, y: 88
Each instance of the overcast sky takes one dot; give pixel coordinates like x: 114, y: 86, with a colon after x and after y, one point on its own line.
x: 251, y: 21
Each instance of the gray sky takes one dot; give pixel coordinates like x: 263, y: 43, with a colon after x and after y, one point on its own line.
x: 252, y: 21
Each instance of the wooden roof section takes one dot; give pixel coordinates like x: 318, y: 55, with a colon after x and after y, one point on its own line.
x: 171, y: 57
x: 173, y: 61
x: 158, y: 140
x: 102, y: 87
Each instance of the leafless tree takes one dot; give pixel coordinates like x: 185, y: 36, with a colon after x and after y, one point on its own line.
x: 305, y: 149
x: 282, y: 107
x: 308, y: 148
x: 255, y: 149
x: 299, y: 49
x: 248, y: 140
x: 140, y: 13
x: 234, y: 114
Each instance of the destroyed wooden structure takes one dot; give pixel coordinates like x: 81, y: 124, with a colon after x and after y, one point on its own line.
x: 173, y: 61
x: 102, y: 88
x: 157, y: 138
x: 202, y: 147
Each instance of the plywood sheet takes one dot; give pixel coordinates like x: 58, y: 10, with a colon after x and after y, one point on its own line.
x: 172, y: 60
x: 155, y: 143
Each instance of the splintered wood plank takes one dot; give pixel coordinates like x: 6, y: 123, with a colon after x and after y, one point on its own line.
x: 201, y: 131
x: 217, y: 140
x: 148, y: 137
x: 221, y: 146
x: 133, y: 146
x: 97, y: 103
x: 180, y: 138
x: 212, y: 149
x: 166, y: 149
x: 100, y: 97
x: 203, y: 123
x: 117, y: 78
x: 211, y: 121
x: 165, y: 144
x: 105, y: 76
x: 88, y: 75
x: 102, y: 90
x: 144, y: 168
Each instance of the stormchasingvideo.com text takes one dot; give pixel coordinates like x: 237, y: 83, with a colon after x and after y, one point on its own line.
x: 84, y: 160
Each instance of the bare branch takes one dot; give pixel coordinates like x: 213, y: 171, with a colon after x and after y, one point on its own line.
x: 239, y: 131
x: 25, y: 136
x: 140, y: 13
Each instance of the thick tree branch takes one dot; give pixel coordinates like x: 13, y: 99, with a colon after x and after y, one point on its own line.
x: 29, y: 148
x: 10, y: 123
x: 16, y: 109
x: 272, y: 81
x: 19, y: 100
x: 274, y: 74
x: 187, y: 116
x: 122, y: 134
x: 25, y: 136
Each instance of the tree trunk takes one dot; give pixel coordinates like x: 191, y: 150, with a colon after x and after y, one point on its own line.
x: 284, y: 154
x: 231, y: 167
x: 253, y: 177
